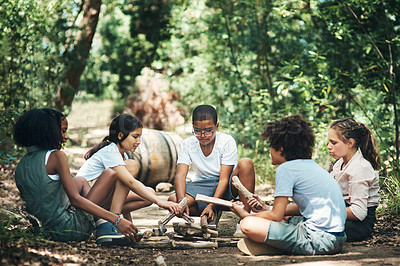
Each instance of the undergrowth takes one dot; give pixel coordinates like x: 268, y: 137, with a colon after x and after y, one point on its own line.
x: 11, y: 230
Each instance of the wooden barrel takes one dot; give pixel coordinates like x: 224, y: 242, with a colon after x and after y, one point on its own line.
x: 157, y: 155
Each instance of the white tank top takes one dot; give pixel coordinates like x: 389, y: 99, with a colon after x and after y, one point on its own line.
x: 55, y: 176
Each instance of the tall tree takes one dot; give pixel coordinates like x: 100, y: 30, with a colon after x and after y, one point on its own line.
x: 79, y: 54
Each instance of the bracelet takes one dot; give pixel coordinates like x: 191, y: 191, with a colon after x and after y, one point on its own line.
x: 119, y: 219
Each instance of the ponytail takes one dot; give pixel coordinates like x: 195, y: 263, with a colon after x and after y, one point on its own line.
x: 102, y: 144
x: 348, y: 128
x: 124, y: 124
x: 370, y: 150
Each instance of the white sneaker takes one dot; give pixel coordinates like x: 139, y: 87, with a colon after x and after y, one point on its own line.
x: 238, y: 233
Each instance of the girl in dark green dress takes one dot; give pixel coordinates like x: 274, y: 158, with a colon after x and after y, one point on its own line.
x: 51, y: 194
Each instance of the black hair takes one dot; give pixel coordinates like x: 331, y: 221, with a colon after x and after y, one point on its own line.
x: 293, y: 134
x: 124, y: 124
x: 57, y: 114
x: 38, y: 127
x: 348, y: 128
x: 205, y: 112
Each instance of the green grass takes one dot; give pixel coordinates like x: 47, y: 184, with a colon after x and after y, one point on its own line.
x: 11, y: 230
x: 390, y: 195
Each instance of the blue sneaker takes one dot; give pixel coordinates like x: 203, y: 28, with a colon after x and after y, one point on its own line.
x: 107, y: 234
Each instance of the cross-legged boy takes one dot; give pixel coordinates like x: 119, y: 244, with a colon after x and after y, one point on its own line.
x: 214, y: 158
x: 318, y: 213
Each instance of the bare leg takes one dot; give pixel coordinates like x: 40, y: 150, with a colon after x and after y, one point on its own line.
x: 134, y: 202
x: 82, y: 185
x: 119, y: 197
x: 133, y: 167
x: 255, y: 228
x: 245, y: 172
x: 102, y: 190
x: 121, y: 191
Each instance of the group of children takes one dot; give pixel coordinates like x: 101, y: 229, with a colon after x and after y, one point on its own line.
x: 326, y: 209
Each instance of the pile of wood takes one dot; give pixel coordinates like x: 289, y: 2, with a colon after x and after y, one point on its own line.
x: 177, y: 241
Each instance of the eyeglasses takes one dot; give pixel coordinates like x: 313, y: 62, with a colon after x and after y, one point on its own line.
x: 205, y: 132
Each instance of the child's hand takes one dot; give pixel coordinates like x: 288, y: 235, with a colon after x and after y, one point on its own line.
x: 169, y: 205
x: 209, y: 211
x: 184, y: 210
x: 128, y: 229
x: 237, y: 208
x: 254, y: 200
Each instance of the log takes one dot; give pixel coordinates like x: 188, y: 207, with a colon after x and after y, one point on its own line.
x: 204, y: 222
x: 217, y: 201
x: 154, y: 244
x: 197, y: 244
x: 189, y: 230
x: 156, y: 238
x: 226, y: 242
x: 242, y: 189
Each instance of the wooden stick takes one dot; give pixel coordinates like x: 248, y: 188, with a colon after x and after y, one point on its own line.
x: 192, y: 229
x: 171, y: 215
x: 203, y: 222
x: 197, y: 244
x: 154, y: 244
x: 217, y: 201
x: 242, y: 189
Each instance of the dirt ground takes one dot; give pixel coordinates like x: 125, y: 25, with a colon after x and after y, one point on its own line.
x: 382, y: 249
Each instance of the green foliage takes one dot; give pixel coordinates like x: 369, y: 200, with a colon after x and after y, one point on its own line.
x: 11, y: 231
x: 255, y: 61
x: 354, y: 64
x: 30, y: 41
x: 390, y: 195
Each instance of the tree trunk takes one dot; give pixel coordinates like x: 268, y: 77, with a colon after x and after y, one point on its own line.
x: 79, y: 55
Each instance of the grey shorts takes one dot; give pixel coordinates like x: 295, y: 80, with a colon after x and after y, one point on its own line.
x: 207, y: 187
x: 295, y: 237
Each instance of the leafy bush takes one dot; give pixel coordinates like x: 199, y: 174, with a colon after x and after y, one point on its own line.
x: 390, y: 194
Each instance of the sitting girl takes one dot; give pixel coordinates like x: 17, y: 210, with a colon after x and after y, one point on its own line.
x: 355, y: 147
x: 45, y: 183
x: 109, y: 156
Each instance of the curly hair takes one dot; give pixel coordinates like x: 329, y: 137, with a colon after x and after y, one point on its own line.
x: 38, y: 127
x: 293, y: 134
x: 348, y: 128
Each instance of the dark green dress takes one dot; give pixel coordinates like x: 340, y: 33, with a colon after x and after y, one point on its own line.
x: 46, y: 199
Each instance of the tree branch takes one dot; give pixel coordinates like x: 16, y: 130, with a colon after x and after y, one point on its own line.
x: 233, y: 59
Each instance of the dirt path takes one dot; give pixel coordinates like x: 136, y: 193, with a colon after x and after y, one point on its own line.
x: 382, y: 249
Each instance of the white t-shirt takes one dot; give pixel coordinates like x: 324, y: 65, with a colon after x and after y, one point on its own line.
x: 315, y: 192
x: 107, y: 157
x: 224, y: 152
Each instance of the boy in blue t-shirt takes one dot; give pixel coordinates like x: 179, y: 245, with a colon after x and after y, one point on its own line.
x: 318, y: 213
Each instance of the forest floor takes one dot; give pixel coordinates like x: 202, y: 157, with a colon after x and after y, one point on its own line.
x: 382, y: 249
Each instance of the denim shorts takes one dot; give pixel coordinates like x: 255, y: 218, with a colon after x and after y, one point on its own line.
x: 207, y: 187
x: 294, y: 237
